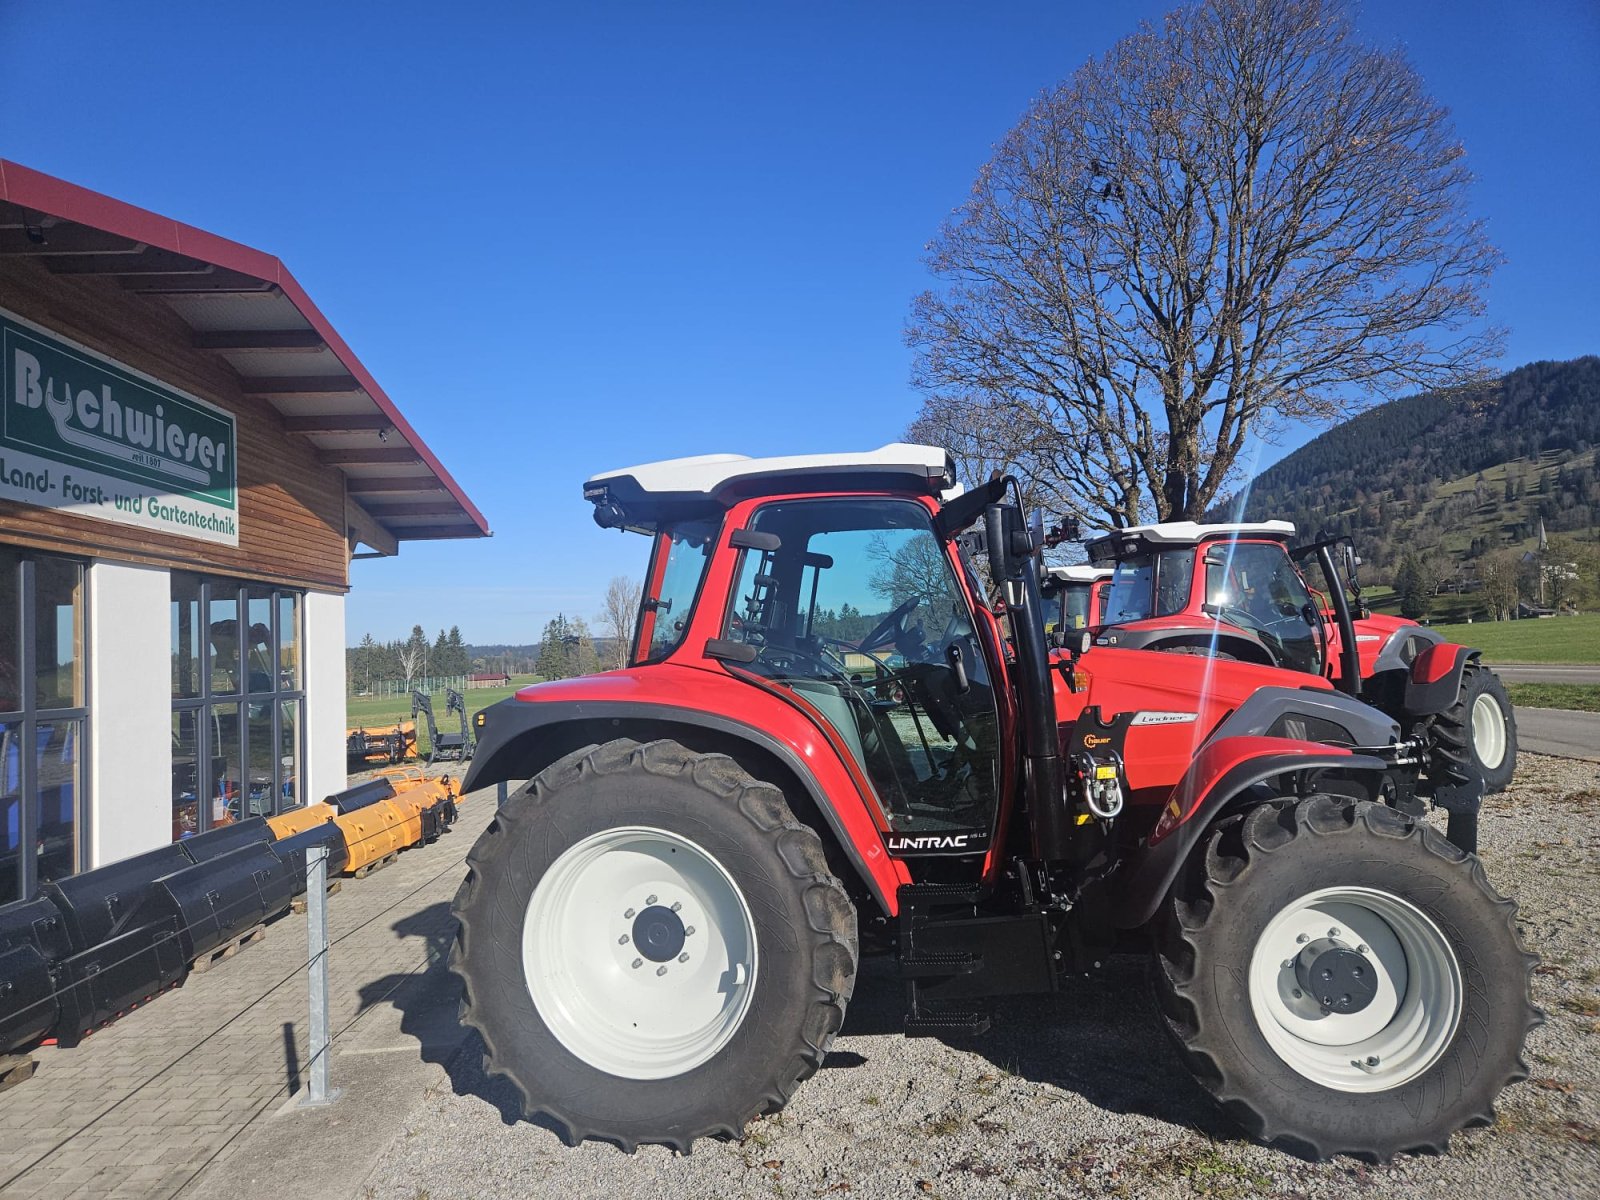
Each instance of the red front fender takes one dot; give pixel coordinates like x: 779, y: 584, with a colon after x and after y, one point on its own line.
x: 1435, y: 679
x: 519, y: 737
x: 1222, y: 771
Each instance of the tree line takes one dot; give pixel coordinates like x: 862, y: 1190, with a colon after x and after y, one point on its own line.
x: 412, y: 659
x: 566, y: 648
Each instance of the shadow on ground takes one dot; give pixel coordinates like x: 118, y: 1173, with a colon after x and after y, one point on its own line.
x: 1097, y: 1037
x: 429, y: 1004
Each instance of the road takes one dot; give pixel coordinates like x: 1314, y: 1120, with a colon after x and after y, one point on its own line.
x: 1557, y: 731
x: 1548, y: 672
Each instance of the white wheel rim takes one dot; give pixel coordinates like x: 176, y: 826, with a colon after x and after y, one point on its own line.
x: 602, y: 986
x: 1415, y: 1008
x: 1488, y: 730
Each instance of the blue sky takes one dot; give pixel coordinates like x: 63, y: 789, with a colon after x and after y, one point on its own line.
x: 568, y: 237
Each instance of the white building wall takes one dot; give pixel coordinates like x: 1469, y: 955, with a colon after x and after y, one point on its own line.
x: 325, y: 696
x: 130, y: 715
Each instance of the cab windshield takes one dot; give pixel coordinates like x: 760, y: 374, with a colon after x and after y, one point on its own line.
x: 1254, y: 586
x: 1150, y: 585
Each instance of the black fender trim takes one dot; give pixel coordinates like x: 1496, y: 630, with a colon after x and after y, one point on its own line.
x: 504, y: 724
x: 1141, y: 886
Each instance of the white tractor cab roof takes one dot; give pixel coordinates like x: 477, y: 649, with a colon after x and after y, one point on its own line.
x: 1119, y: 543
x: 642, y: 497
x: 1081, y: 573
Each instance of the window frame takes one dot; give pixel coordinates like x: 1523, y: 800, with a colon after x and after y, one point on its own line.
x: 644, y: 652
x: 209, y: 701
x: 31, y: 714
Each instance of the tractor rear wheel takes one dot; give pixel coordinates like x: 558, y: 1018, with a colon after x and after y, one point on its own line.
x: 652, y: 947
x: 1480, y: 729
x: 1344, y: 980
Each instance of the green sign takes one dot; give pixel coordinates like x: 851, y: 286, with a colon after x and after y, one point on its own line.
x: 83, y: 433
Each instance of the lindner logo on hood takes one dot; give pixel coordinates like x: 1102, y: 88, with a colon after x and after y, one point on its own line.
x: 79, y: 431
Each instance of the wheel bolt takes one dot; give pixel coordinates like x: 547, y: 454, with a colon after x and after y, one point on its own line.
x: 1334, y: 932
x: 623, y: 940
x: 688, y: 931
x: 637, y: 963
x: 683, y: 957
x: 1288, y: 963
x: 676, y: 905
x: 628, y: 916
x: 1303, y: 938
x: 649, y: 899
x: 661, y: 971
x: 1362, y: 949
x: 1297, y: 993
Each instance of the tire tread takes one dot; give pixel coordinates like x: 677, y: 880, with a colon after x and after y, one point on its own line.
x: 1231, y: 848
x: 829, y: 910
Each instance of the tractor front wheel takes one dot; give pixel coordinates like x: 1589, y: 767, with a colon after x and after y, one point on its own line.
x: 1480, y: 729
x: 1344, y: 980
x: 652, y: 946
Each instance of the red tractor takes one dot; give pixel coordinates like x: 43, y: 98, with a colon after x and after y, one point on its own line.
x: 828, y: 742
x: 1238, y: 592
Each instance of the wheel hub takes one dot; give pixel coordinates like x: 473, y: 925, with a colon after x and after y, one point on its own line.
x: 658, y: 933
x: 639, y: 952
x: 1339, y: 978
x: 1355, y: 988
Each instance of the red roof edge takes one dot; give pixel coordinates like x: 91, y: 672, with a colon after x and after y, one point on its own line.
x: 33, y: 189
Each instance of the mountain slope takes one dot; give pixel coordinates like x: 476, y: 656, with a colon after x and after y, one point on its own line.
x: 1449, y: 475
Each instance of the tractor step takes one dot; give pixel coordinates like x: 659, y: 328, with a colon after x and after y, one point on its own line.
x: 928, y: 895
x: 940, y: 963
x: 966, y: 1022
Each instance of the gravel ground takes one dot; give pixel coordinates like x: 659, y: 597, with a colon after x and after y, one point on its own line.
x: 1079, y: 1094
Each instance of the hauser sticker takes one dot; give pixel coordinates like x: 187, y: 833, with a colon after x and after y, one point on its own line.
x: 85, y: 434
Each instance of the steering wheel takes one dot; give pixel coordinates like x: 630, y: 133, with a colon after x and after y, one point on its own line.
x: 888, y: 629
x: 1241, y: 617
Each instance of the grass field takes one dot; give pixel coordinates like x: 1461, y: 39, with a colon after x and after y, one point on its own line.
x: 1578, y: 697
x: 1553, y: 640
x: 376, y: 713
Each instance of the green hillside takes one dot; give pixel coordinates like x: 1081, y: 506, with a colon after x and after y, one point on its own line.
x: 1448, y: 479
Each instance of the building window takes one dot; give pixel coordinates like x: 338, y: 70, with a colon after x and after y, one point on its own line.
x: 237, y: 697
x: 44, y: 709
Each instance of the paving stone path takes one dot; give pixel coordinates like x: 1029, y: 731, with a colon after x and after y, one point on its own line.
x: 142, y: 1106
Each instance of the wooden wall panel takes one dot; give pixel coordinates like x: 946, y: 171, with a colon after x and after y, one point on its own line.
x: 291, y: 505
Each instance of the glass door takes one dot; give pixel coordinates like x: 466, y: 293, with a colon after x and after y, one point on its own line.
x: 859, y: 612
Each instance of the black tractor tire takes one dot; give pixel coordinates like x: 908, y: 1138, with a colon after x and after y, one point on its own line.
x: 1454, y: 744
x: 805, y: 937
x: 1252, y: 867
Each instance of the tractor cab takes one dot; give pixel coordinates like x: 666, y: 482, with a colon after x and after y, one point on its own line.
x: 1231, y: 590
x: 1075, y: 597
x: 841, y: 595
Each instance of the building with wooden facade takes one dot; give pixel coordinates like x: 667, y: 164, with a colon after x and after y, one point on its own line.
x: 189, y: 457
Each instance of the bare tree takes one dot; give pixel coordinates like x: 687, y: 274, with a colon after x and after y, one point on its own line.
x: 1498, y: 573
x: 413, y: 653
x: 619, y: 615
x: 1239, y: 218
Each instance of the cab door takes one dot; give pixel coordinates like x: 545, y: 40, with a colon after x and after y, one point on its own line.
x: 852, y: 603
